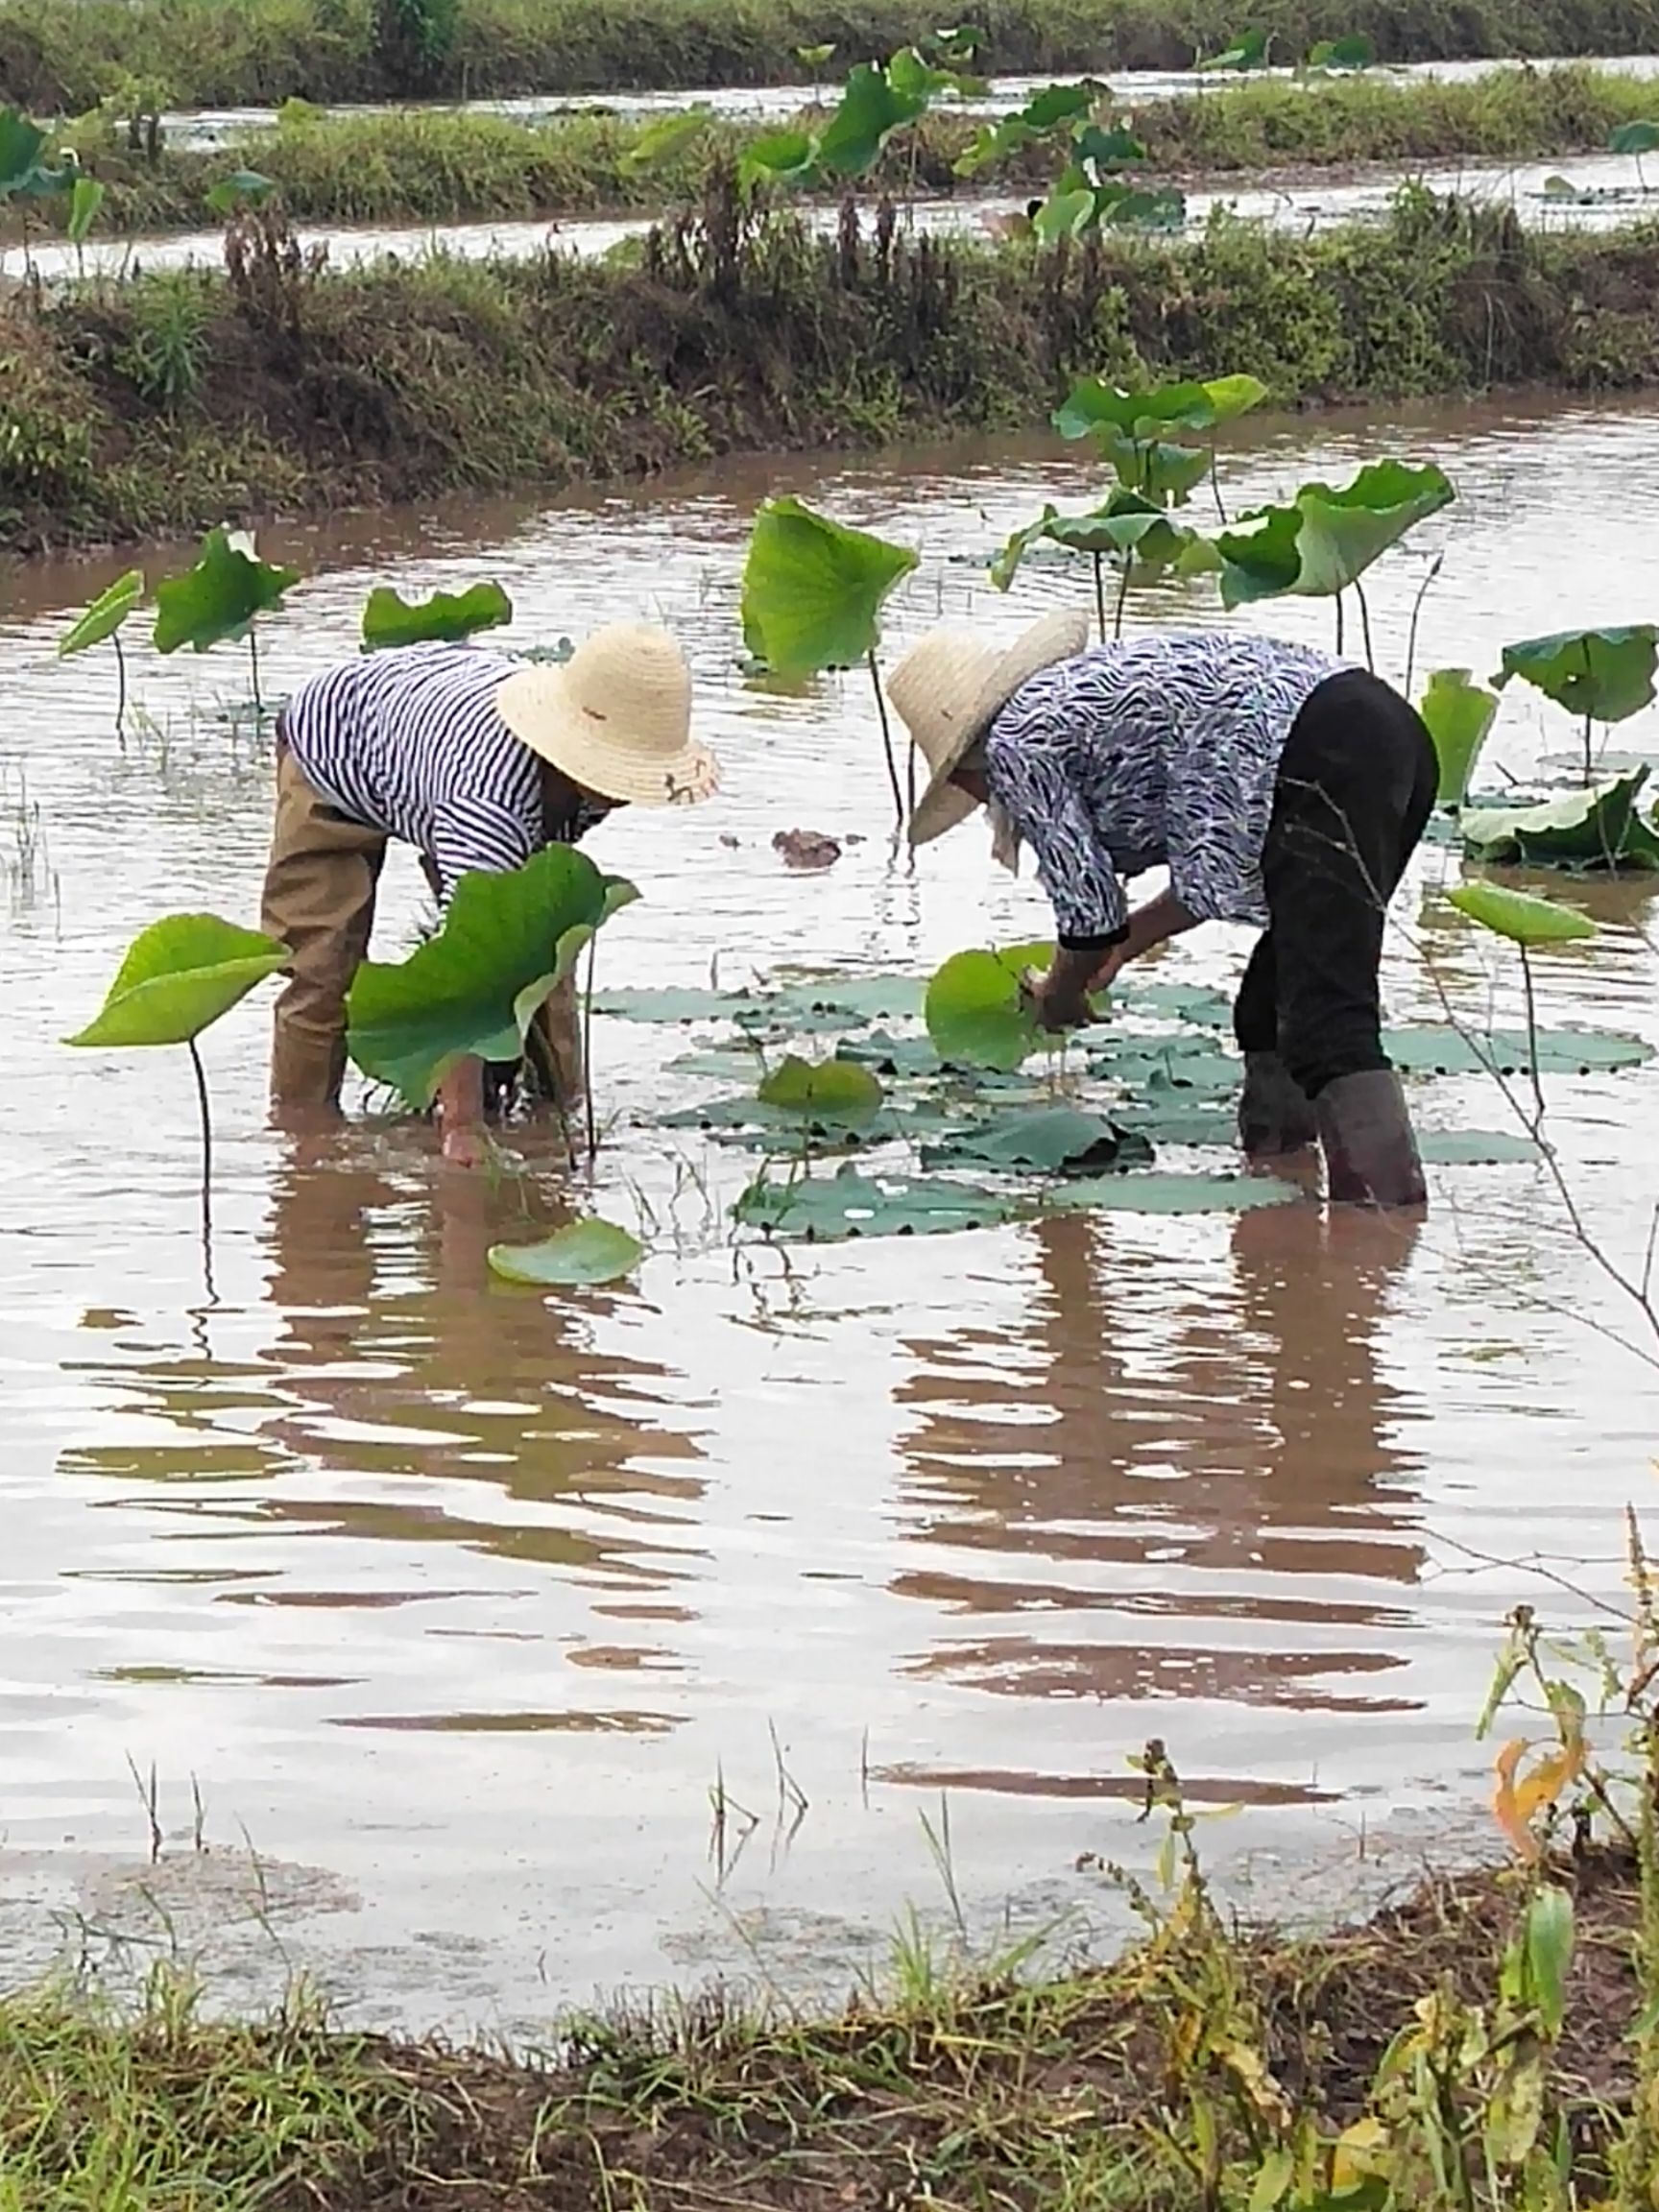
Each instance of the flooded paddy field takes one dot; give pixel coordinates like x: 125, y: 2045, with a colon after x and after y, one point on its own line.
x: 488, y: 1647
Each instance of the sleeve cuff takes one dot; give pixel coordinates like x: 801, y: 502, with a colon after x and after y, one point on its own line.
x: 1097, y: 944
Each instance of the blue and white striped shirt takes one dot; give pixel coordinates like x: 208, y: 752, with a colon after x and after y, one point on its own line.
x: 408, y: 741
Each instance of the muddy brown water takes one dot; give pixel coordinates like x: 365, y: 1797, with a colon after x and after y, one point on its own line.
x: 461, y: 1607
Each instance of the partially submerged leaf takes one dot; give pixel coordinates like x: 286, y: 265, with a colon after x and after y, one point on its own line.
x: 447, y: 617
x: 1172, y: 1193
x: 1519, y: 916
x: 218, y: 597
x: 1326, y: 538
x: 828, y: 1090
x: 812, y: 589
x: 105, y: 616
x: 1434, y: 1048
x: 1474, y: 1148
x: 476, y: 987
x: 1604, y: 674
x: 1598, y: 827
x: 978, y: 1011
x: 179, y: 975
x: 1459, y: 717
x: 583, y: 1252
x: 825, y: 1209
x: 1046, y: 1139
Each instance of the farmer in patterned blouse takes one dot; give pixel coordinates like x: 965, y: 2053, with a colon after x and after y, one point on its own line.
x: 479, y: 761
x: 1279, y: 787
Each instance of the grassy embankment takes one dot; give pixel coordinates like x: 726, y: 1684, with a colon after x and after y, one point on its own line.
x: 1442, y: 2057
x: 426, y: 166
x: 175, y: 400
x: 62, y: 56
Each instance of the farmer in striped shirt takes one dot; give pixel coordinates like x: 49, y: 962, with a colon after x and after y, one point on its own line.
x: 479, y: 761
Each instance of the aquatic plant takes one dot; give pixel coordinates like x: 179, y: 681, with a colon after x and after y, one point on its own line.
x: 979, y: 1010
x: 1134, y: 533
x: 1459, y: 714
x: 1599, y: 826
x: 242, y: 188
x: 1599, y: 675
x: 582, y: 1253
x: 1248, y: 51
x: 1635, y: 140
x: 1057, y: 107
x: 1526, y: 922
x: 219, y: 598
x: 872, y: 106
x: 101, y: 621
x: 1130, y: 429
x: 472, y: 989
x: 663, y: 141
x: 447, y: 617
x: 813, y: 58
x: 812, y: 597
x: 822, y: 1091
x: 1352, y: 53
x: 179, y: 975
x: 1323, y: 540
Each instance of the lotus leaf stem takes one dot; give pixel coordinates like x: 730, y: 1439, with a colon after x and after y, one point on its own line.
x: 887, y: 738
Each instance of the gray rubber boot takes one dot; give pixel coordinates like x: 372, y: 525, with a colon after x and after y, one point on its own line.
x: 1275, y: 1114
x: 1370, y: 1150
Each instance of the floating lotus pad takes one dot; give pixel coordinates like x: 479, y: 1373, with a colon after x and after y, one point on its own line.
x: 1169, y: 1193
x: 823, y: 1209
x: 583, y: 1252
x: 1049, y: 1139
x: 673, y: 1004
x: 1432, y: 1048
x: 1473, y: 1147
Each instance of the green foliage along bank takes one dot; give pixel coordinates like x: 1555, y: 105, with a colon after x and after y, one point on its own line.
x: 175, y: 400
x: 425, y: 165
x: 63, y: 56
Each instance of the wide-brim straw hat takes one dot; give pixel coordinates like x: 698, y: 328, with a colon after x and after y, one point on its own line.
x: 616, y: 718
x: 951, y: 686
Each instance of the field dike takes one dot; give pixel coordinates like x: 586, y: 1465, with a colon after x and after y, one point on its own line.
x: 177, y: 399
x: 61, y: 57
x: 430, y: 166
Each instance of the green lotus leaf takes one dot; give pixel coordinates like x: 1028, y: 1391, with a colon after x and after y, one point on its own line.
x: 219, y: 598
x: 389, y: 619
x: 1519, y: 916
x: 978, y: 1010
x: 871, y: 109
x: 1595, y: 829
x: 1325, y: 540
x: 813, y: 589
x: 661, y: 141
x: 673, y: 1004
x: 850, y: 999
x: 1128, y: 526
x: 474, y: 988
x: 815, y: 57
x: 778, y: 158
x: 243, y: 188
x: 1634, y: 138
x: 1434, y: 1048
x: 583, y: 1252
x: 21, y: 145
x: 1044, y: 111
x: 105, y: 616
x: 179, y: 975
x: 1353, y: 52
x: 1248, y: 51
x: 1046, y: 1139
x: 1168, y: 1194
x: 1094, y: 407
x: 819, y: 1209
x: 1473, y: 1147
x: 1230, y: 396
x: 1106, y: 148
x: 1603, y: 674
x: 827, y: 1090
x: 1459, y: 717
x: 85, y: 198
x: 1166, y: 474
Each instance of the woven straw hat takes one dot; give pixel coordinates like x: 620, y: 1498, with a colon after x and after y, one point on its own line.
x: 616, y: 718
x: 951, y: 686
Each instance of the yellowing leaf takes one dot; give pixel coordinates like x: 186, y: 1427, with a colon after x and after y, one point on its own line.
x: 1360, y: 2151
x: 1504, y: 1806
x: 1550, y: 1777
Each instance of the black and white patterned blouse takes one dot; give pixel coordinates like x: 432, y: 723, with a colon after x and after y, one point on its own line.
x: 1158, y: 750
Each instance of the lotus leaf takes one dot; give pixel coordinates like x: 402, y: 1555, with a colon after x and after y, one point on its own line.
x: 824, y: 1091
x: 914, y: 78
x: 1473, y: 1147
x: 219, y: 598
x: 978, y: 1011
x: 1355, y: 52
x: 872, y: 108
x: 179, y: 975
x: 389, y: 619
x: 1634, y: 138
x: 85, y: 198
x: 1603, y: 675
x: 1248, y: 51
x: 583, y: 1252
x: 1048, y: 1139
x: 673, y: 1005
x: 1230, y: 396
x: 1433, y: 1048
x: 244, y: 188
x: 1128, y: 526
x: 1094, y: 407
x: 1175, y: 1122
x: 1067, y: 214
x: 1168, y: 1194
x: 812, y: 589
x: 105, y: 616
x: 476, y: 987
x: 1196, y: 1002
x: 855, y: 999
x: 826, y: 1209
x: 815, y: 57
x: 21, y: 145
x: 1134, y: 208
x: 893, y: 1056
x: 1517, y: 914
x: 1325, y: 540
x: 1182, y: 1063
x: 778, y: 158
x: 1156, y: 469
x: 1595, y: 829
x: 1459, y: 717
x: 1044, y: 111
x: 1106, y: 148
x: 661, y: 140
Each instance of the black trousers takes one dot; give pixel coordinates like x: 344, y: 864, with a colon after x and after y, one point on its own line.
x: 1356, y: 785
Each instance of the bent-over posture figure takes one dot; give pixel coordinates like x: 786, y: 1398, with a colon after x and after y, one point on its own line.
x: 479, y: 761
x: 1279, y: 787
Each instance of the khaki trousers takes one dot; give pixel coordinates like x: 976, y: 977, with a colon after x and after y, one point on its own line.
x: 318, y: 900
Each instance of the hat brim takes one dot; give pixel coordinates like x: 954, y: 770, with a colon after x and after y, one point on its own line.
x: 536, y: 706
x: 943, y: 803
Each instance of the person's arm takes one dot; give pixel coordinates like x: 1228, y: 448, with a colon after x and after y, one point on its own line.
x: 472, y: 838
x: 1029, y: 779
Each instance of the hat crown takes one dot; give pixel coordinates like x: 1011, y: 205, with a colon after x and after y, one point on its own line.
x: 937, y: 688
x: 630, y: 685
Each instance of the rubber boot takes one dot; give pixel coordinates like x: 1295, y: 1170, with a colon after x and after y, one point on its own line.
x: 1370, y: 1152
x: 1275, y: 1114
x: 307, y: 1068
